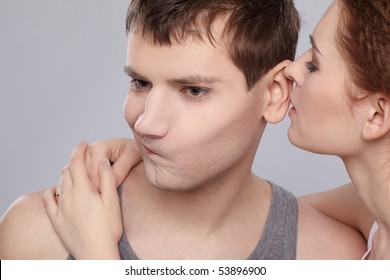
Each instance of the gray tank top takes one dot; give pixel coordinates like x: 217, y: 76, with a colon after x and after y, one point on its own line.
x: 278, y: 240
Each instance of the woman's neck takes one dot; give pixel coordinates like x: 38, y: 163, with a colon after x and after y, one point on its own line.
x: 370, y: 173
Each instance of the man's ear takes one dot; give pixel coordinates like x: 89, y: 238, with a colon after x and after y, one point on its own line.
x: 278, y: 90
x: 377, y: 120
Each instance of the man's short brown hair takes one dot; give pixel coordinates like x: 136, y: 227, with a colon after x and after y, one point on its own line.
x: 259, y: 33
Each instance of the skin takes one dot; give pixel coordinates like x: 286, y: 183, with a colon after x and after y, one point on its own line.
x: 183, y: 102
x: 325, y: 119
x: 319, y: 101
x: 197, y: 97
x: 194, y: 191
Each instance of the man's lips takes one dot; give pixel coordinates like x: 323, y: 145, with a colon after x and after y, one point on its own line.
x: 148, y: 151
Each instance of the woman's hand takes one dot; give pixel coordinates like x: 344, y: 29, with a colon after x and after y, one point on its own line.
x: 87, y: 218
x: 122, y: 153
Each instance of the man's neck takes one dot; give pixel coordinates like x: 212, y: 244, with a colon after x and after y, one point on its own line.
x: 208, y: 205
x: 218, y: 213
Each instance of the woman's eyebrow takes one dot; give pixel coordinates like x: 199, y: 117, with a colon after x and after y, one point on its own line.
x: 314, y: 45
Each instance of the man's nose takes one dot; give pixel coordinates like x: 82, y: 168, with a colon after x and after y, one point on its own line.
x: 154, y: 121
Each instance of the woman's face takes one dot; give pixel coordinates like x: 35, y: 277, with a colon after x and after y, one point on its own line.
x: 322, y: 117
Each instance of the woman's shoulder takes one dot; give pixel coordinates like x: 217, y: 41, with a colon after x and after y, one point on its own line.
x: 321, y: 237
x: 26, y: 231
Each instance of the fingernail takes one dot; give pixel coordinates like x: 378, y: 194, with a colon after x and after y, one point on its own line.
x: 105, y: 163
x: 84, y: 142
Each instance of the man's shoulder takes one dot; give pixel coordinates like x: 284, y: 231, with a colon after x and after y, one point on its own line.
x: 321, y: 237
x: 26, y: 231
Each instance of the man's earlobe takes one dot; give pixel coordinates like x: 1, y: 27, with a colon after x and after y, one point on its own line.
x: 377, y: 123
x: 279, y: 89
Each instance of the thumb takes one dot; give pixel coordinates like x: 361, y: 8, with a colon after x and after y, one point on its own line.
x: 124, y: 164
x: 121, y: 169
x: 107, y: 179
x: 50, y: 203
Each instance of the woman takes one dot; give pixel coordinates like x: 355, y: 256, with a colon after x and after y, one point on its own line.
x: 341, y: 106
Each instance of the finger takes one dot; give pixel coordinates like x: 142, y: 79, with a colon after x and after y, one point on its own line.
x: 123, y: 166
x: 93, y: 177
x: 96, y: 153
x: 127, y: 157
x: 88, y: 159
x: 78, y: 169
x: 93, y: 165
x: 50, y: 203
x: 66, y: 181
x: 107, y: 180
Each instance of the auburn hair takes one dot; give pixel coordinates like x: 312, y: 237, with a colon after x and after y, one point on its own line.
x: 363, y: 39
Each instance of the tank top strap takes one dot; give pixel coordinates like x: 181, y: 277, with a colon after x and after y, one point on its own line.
x: 279, y: 238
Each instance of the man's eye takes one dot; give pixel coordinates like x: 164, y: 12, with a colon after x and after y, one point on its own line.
x: 140, y: 84
x: 194, y: 92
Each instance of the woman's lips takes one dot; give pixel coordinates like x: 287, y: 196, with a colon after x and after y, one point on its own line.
x: 292, y: 111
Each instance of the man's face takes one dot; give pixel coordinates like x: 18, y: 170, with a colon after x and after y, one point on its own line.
x: 191, y: 113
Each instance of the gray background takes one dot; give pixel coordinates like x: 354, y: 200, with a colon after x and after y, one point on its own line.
x: 61, y: 81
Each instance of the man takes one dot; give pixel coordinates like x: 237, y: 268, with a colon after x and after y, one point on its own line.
x: 206, y: 78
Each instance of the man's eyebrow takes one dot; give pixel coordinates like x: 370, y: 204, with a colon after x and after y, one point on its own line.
x: 314, y: 45
x: 130, y: 71
x: 186, y: 80
x: 195, y: 79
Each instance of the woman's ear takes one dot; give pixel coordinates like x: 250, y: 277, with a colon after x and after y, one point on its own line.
x: 278, y: 89
x: 377, y: 121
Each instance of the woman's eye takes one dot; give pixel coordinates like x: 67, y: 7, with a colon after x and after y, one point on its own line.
x: 311, y: 67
